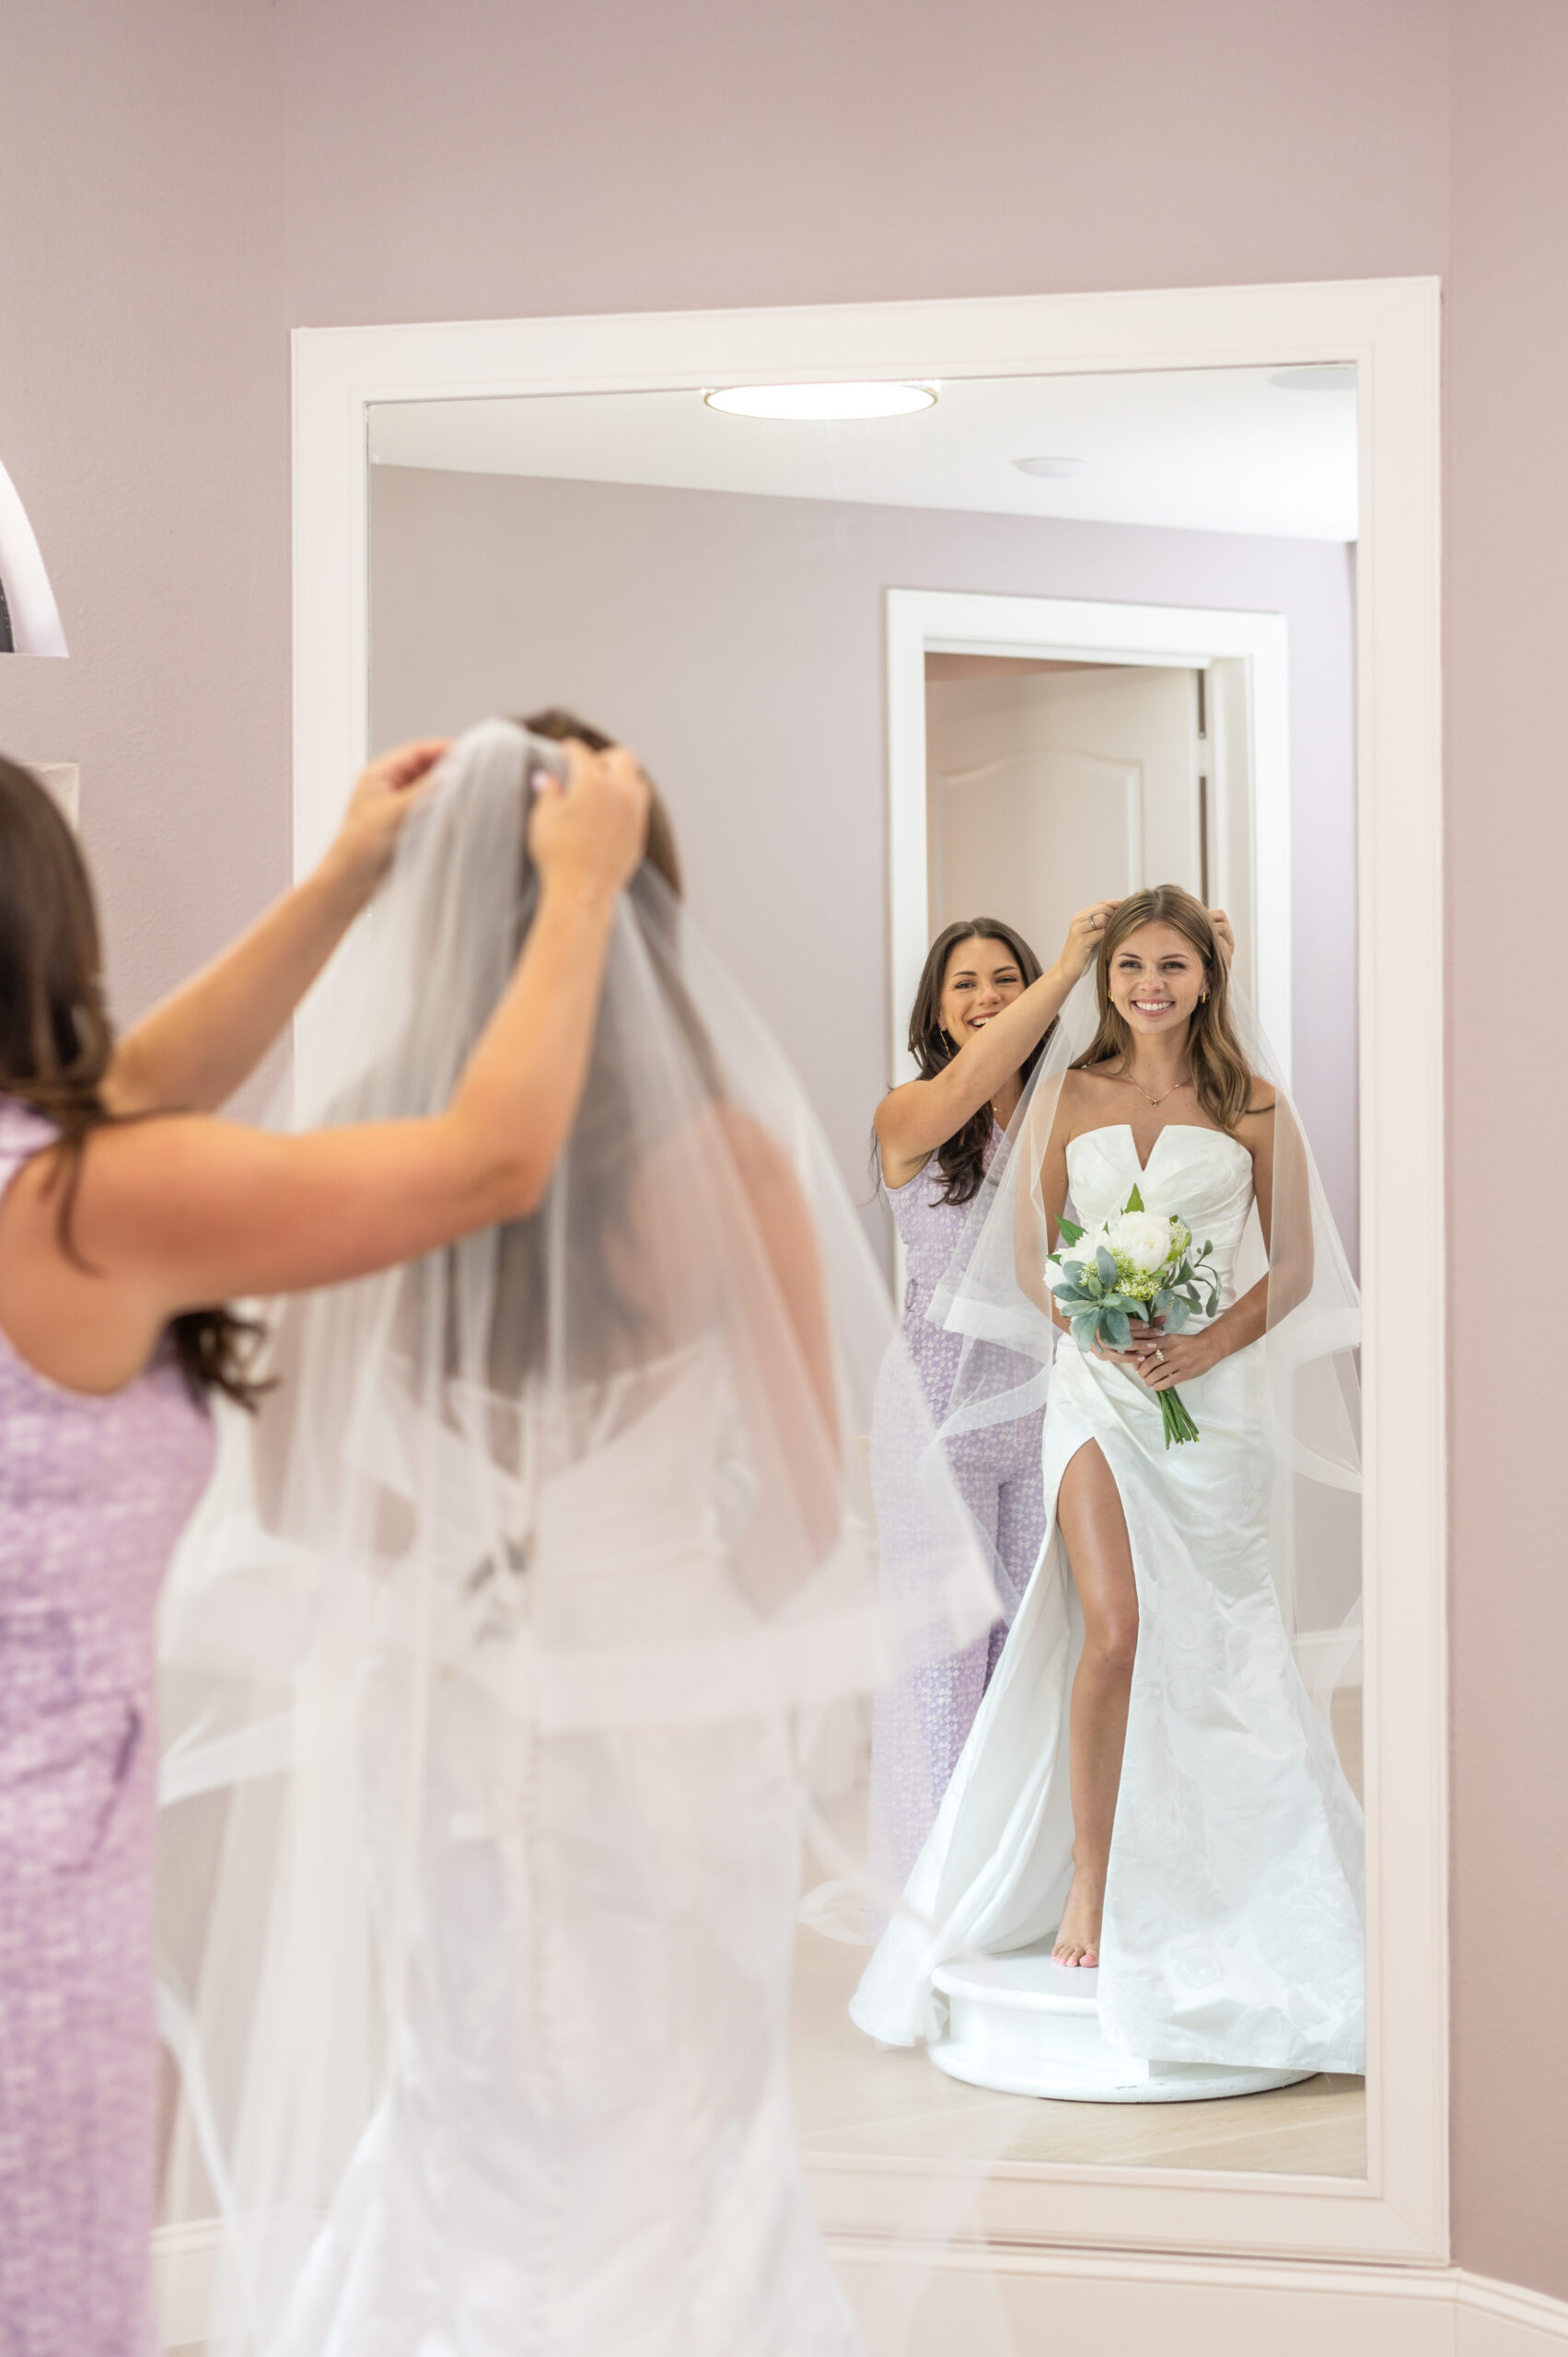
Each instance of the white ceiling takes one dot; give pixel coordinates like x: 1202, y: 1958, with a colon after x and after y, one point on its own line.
x: 1218, y: 450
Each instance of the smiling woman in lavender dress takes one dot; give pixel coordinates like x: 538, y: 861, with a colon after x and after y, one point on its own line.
x: 979, y: 1014
x: 119, y: 1234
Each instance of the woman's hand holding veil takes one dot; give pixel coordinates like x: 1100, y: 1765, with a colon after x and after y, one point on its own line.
x: 387, y: 790
x: 588, y: 835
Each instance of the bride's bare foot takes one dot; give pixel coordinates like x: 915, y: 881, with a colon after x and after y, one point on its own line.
x: 1077, y: 1942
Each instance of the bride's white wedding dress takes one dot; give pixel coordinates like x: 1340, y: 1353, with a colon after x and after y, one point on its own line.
x: 1233, y: 1914
x: 584, y: 2144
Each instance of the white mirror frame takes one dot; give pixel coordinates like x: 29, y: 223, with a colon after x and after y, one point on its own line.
x: 1040, y: 2215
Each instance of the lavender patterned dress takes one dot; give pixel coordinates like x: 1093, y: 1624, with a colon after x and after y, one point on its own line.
x: 919, y: 1728
x: 93, y: 1494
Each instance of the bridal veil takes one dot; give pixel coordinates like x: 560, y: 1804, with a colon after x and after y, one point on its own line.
x: 436, y: 1486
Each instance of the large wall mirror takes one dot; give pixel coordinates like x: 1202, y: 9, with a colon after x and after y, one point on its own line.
x: 1142, y: 595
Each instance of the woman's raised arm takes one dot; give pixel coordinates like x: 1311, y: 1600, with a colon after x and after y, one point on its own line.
x: 175, y: 1214
x: 206, y: 1039
x: 914, y: 1119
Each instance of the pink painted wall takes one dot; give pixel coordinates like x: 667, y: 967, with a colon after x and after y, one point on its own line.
x: 143, y: 418
x: 187, y: 179
x: 738, y: 643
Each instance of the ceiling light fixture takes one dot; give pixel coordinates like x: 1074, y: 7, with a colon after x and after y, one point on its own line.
x: 1053, y: 469
x: 1331, y: 377
x: 822, y: 402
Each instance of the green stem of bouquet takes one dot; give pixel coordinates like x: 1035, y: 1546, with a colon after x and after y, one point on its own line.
x: 1179, y: 1424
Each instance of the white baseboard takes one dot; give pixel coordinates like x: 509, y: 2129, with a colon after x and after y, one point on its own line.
x: 994, y: 2304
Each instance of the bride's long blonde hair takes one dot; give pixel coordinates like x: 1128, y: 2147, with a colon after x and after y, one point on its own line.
x: 1221, y: 1079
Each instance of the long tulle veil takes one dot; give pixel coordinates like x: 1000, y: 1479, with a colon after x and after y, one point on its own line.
x: 397, y: 1512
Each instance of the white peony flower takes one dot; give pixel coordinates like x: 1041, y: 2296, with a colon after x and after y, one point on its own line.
x: 1142, y: 1239
x: 1067, y: 1254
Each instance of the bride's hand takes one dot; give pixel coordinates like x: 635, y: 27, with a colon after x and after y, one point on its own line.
x: 1179, y: 1358
x: 1145, y: 1339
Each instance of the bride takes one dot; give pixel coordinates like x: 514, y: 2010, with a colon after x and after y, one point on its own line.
x: 482, y: 1669
x: 1148, y: 1787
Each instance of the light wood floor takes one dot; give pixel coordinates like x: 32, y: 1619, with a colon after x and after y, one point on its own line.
x: 852, y: 2096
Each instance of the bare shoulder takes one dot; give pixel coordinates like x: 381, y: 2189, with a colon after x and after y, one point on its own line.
x: 890, y: 1106
x: 1256, y: 1128
x: 118, y: 1161
x: 1082, y: 1096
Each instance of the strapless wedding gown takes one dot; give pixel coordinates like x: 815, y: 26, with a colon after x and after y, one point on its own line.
x: 586, y: 2147
x: 1233, y: 1915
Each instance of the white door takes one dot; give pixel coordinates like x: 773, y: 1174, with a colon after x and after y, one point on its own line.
x: 1051, y: 789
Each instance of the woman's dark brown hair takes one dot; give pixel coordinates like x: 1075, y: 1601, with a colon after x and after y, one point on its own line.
x: 57, y: 1043
x: 961, y: 1157
x: 1221, y: 1080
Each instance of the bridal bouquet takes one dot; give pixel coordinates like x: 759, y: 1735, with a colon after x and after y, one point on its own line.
x: 1136, y: 1265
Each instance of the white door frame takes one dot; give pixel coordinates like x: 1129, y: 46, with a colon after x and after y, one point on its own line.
x: 1389, y: 329
x: 957, y: 621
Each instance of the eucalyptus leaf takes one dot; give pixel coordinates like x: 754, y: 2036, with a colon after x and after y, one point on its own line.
x: 1086, y: 1331
x: 1117, y: 1331
x: 1161, y: 1301
x: 1106, y: 1267
x: 1181, y: 1311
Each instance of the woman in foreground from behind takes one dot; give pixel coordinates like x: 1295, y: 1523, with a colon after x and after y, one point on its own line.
x: 120, y: 1239
x: 481, y: 1790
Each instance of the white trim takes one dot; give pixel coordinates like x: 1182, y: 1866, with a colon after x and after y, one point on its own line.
x: 1390, y: 328
x: 960, y: 621
x: 1177, y: 2304
x: 36, y: 627
x: 1187, y: 2307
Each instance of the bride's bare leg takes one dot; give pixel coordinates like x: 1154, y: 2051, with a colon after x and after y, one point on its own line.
x: 1088, y: 1509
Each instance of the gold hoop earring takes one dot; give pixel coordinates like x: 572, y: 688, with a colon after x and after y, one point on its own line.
x: 1203, y: 998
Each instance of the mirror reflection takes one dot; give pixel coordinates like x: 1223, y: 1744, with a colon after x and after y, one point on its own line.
x: 1056, y: 911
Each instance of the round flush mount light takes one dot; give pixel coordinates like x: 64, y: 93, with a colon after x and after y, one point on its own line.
x: 1332, y: 376
x: 822, y: 402
x: 1053, y: 469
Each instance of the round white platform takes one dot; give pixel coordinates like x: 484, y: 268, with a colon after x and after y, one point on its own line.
x: 1027, y: 2026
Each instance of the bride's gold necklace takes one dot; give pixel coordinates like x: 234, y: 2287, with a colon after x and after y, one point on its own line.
x: 1143, y: 1092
